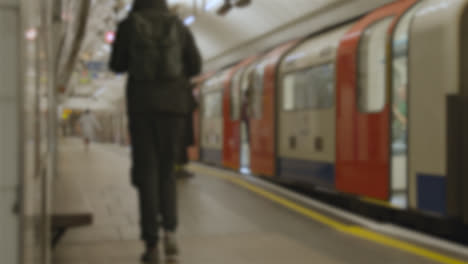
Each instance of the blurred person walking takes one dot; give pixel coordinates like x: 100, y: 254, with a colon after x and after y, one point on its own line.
x: 88, y: 125
x: 160, y: 55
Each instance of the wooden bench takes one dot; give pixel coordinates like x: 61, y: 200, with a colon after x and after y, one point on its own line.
x: 70, y: 208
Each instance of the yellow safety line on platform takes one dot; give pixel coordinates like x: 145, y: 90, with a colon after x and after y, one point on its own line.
x: 347, y: 229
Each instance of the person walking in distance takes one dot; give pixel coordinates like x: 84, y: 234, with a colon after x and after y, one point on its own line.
x: 88, y: 125
x: 160, y: 55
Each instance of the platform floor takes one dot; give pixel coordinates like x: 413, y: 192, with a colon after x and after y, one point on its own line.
x: 221, y: 223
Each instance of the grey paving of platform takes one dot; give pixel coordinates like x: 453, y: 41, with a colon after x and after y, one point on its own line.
x: 220, y: 222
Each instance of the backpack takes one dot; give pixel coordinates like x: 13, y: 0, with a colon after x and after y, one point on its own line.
x: 155, y: 47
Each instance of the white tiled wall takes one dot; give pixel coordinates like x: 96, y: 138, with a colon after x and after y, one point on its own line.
x: 8, y: 143
x: 9, y: 45
x: 9, y: 118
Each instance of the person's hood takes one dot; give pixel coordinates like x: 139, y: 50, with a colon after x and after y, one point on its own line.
x: 160, y: 5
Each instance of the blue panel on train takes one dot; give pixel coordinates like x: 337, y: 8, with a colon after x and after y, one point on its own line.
x: 313, y: 172
x: 432, y: 193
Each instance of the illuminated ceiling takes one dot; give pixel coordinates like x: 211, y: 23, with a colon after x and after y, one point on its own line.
x: 216, y: 35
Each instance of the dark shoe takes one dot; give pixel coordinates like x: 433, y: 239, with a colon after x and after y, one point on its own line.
x: 170, y: 246
x: 151, y: 255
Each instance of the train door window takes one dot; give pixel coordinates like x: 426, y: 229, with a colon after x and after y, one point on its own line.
x: 288, y: 92
x: 372, y: 67
x: 246, y: 98
x: 246, y: 83
x: 399, y: 125
x: 236, y: 96
x: 257, y: 82
x: 400, y: 82
x: 300, y: 88
x: 322, y: 79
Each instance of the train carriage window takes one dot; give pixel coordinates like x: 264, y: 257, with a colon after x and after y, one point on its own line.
x: 372, y: 67
x: 311, y: 88
x: 300, y: 88
x: 325, y: 83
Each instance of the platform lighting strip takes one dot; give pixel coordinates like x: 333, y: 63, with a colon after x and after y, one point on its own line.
x: 352, y: 230
x: 212, y: 4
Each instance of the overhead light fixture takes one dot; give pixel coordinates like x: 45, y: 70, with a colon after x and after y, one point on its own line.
x: 225, y: 8
x: 189, y: 20
x: 110, y: 37
x: 128, y: 7
x: 31, y: 34
x: 212, y: 4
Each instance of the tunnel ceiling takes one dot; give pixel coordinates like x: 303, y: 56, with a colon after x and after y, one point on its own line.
x: 215, y: 34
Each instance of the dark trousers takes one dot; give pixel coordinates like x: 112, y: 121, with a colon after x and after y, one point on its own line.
x: 153, y: 140
x: 186, y: 139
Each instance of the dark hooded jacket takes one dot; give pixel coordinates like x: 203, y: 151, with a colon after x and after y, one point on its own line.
x: 156, y: 96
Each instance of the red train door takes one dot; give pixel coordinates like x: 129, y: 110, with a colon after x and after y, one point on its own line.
x: 231, y: 112
x: 363, y: 111
x: 262, y: 128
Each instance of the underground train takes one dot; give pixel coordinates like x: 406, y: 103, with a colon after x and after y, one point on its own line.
x: 376, y: 108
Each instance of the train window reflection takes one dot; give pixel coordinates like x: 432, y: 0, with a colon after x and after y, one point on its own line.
x: 236, y: 96
x: 257, y: 91
x: 312, y: 88
x: 372, y: 67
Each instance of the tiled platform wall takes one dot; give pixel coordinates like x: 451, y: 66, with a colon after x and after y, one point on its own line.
x: 9, y: 129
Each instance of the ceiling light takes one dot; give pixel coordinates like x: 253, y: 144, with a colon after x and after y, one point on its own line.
x: 212, y: 4
x: 31, y: 34
x: 128, y: 7
x: 110, y: 37
x: 189, y: 20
